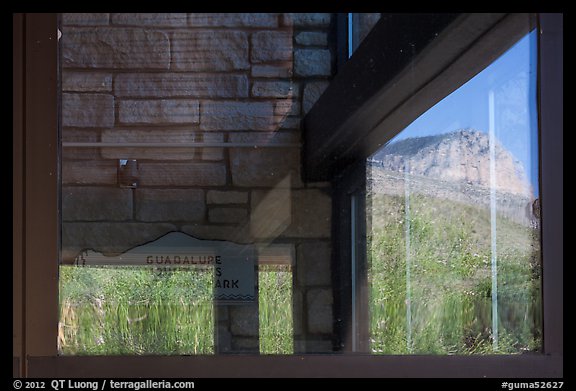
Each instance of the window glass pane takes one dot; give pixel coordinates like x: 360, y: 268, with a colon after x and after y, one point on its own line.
x: 186, y: 225
x: 453, y: 221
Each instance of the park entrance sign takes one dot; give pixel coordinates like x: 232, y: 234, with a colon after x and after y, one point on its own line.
x: 233, y: 264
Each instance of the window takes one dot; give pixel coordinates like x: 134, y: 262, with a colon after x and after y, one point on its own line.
x: 251, y: 200
x: 453, y: 221
x: 408, y: 211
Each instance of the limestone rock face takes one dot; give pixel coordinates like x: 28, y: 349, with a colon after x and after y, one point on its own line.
x: 461, y: 156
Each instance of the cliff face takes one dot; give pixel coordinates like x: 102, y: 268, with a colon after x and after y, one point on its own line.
x: 462, y: 156
x: 456, y: 167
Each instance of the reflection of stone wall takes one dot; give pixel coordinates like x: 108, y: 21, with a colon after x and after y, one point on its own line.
x: 212, y: 78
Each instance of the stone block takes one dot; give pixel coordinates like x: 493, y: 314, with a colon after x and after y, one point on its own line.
x: 159, y: 111
x: 244, y: 320
x: 86, y: 81
x: 275, y: 89
x: 216, y: 50
x: 264, y: 166
x: 170, y: 205
x: 89, y: 203
x: 271, y: 46
x: 319, y: 304
x: 234, y: 115
x: 312, y: 62
x: 290, y: 123
x: 224, y: 197
x: 211, y: 153
x: 286, y: 107
x: 314, y: 264
x: 311, y: 214
x: 307, y: 19
x: 87, y: 110
x: 227, y: 215
x: 150, y: 19
x: 271, y: 211
x: 272, y: 71
x: 85, y: 19
x: 233, y: 20
x: 312, y: 38
x: 182, y: 174
x: 223, y: 340
x: 297, y: 311
x: 245, y: 345
x: 312, y: 92
x: 195, y: 85
x: 89, y: 172
x: 118, y: 48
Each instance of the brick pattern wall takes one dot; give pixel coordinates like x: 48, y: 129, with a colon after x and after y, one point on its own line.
x: 212, y: 78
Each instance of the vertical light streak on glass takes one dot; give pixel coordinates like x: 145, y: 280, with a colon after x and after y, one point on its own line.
x: 408, y: 257
x: 494, y: 254
x: 353, y: 217
x: 350, y: 34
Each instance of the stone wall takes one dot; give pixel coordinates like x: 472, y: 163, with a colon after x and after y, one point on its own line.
x: 244, y: 79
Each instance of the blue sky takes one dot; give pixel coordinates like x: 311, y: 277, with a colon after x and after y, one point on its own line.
x: 512, y: 77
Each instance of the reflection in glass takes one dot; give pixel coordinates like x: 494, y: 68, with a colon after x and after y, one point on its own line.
x: 112, y: 310
x: 188, y: 125
x: 275, y: 309
x: 452, y: 221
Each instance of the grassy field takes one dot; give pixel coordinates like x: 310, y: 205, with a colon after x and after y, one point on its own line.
x: 445, y: 305
x: 275, y: 306
x: 131, y: 310
x: 136, y: 310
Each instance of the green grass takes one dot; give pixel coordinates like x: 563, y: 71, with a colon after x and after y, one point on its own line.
x: 275, y: 306
x: 130, y: 310
x: 137, y: 310
x: 450, y: 309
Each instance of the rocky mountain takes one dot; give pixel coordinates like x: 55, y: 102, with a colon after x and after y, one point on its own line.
x: 460, y: 156
x: 454, y: 166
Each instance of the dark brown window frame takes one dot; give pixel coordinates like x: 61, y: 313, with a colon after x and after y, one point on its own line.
x: 36, y: 238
